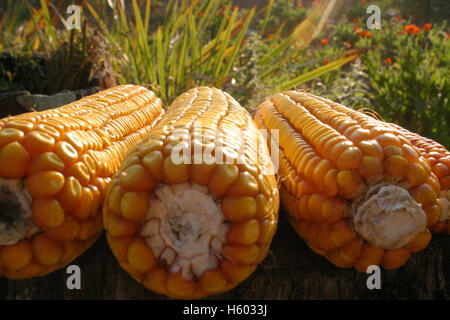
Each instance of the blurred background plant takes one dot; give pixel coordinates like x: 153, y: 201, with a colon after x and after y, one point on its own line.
x: 400, y: 71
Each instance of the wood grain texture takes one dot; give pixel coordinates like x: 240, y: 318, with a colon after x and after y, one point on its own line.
x: 290, y: 271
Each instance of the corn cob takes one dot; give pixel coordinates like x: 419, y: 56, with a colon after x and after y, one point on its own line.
x: 55, y: 166
x: 355, y: 189
x: 438, y: 158
x: 194, y: 226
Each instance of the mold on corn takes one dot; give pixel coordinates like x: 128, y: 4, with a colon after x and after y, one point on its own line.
x: 55, y: 167
x: 194, y: 206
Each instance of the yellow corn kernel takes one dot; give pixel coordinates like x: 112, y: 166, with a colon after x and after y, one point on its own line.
x: 140, y: 256
x: 223, y: 177
x: 136, y: 178
x: 239, y: 208
x: 17, y: 255
x: 45, y: 184
x: 47, y: 213
x: 46, y: 250
x: 47, y: 161
x: 14, y: 160
x: 134, y: 206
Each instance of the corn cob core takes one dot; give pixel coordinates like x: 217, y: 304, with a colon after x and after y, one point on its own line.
x: 55, y: 166
x: 438, y: 158
x: 356, y: 190
x: 193, y: 208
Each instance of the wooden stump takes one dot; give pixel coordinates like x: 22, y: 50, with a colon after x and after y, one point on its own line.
x: 290, y: 271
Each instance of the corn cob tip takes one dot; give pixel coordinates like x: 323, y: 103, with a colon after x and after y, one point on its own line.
x: 15, y: 209
x: 186, y: 229
x: 387, y: 216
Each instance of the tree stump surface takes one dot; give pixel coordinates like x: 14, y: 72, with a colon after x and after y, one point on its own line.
x: 290, y: 271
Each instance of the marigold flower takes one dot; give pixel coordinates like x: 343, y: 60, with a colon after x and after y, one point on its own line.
x: 356, y: 28
x: 324, y: 41
x: 299, y: 5
x: 427, y: 27
x: 325, y: 61
x: 363, y: 1
x: 355, y: 20
x: 389, y: 60
x: 399, y: 17
x: 413, y: 29
x: 369, y: 35
x: 315, y: 3
x: 271, y: 36
x: 363, y: 33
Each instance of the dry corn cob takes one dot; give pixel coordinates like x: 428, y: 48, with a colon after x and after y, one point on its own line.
x: 356, y: 190
x: 55, y: 166
x: 196, y: 227
x: 439, y: 160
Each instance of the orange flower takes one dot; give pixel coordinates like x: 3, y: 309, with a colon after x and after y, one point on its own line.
x: 271, y: 36
x: 369, y: 35
x: 427, y: 27
x: 356, y: 28
x: 399, y: 18
x: 324, y: 41
x: 355, y: 20
x: 325, y: 61
x: 299, y: 5
x: 363, y: 33
x: 347, y: 44
x: 315, y: 3
x: 201, y: 14
x: 389, y: 60
x: 413, y: 29
x: 363, y: 1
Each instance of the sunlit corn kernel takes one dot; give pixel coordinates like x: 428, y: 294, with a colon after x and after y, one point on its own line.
x: 66, y: 231
x: 45, y: 184
x: 349, y: 158
x: 115, y: 198
x: 245, y: 185
x: 212, y: 281
x: 47, y: 213
x: 433, y: 214
x: 395, y: 258
x: 66, y: 152
x: 84, y: 206
x: 22, y: 125
x: 44, y: 162
x: 9, y: 135
x: 46, y: 250
x: 223, y: 177
x: 396, y: 166
x: 17, y: 255
x: 371, y: 148
x: 177, y: 286
x: 241, y: 254
x: 391, y: 150
x: 38, y: 142
x: 333, y: 209
x: 341, y: 233
x: 245, y: 233
x: 235, y: 273
x: 136, y: 178
x: 140, y: 256
x: 134, y: 205
x: 440, y: 170
x: 119, y: 227
x: 267, y: 229
x: 153, y: 145
x: 416, y: 174
x: 425, y: 195
x: 153, y: 161
x: 80, y: 171
x: 239, y: 208
x: 14, y: 160
x: 348, y: 182
x: 263, y: 206
x: 386, y: 139
x: 371, y: 168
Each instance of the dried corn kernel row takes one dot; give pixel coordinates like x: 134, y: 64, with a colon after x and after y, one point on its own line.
x: 193, y: 208
x: 355, y: 189
x: 55, y: 167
